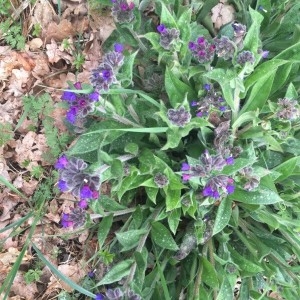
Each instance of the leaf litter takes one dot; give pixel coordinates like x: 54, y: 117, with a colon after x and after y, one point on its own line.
x: 44, y: 66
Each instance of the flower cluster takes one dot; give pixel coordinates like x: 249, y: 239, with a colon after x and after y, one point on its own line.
x: 225, y: 48
x: 118, y: 294
x: 211, y: 102
x: 74, y: 178
x: 287, y: 109
x: 168, y: 36
x: 80, y: 105
x: 161, y: 180
x: 179, y: 117
x: 216, y: 185
x: 202, y: 50
x: 122, y: 11
x: 244, y: 57
x: 76, y: 218
x: 105, y: 75
x: 250, y: 180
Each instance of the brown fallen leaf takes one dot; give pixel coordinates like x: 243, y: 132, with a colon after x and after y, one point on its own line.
x: 222, y: 14
x: 58, y: 32
x: 21, y: 288
x: 55, y: 54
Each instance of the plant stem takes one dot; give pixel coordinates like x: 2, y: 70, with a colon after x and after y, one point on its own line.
x: 199, y: 275
x: 141, y: 44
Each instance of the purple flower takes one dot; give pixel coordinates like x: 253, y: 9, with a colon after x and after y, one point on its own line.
x: 86, y: 192
x: 194, y: 103
x: 62, y: 185
x: 72, y: 114
x: 161, y: 28
x: 209, y: 192
x: 83, y: 204
x: 95, y: 195
x: 118, y: 48
x: 265, y: 54
x: 230, y: 189
x: 65, y: 221
x: 179, y: 117
x: 77, y: 85
x: 207, y: 86
x: 91, y: 274
x: 222, y: 108
x: 186, y: 177
x: 106, y: 74
x: 68, y: 96
x: 191, y: 45
x: 199, y: 114
x: 94, y: 96
x: 185, y: 167
x: 99, y: 297
x: 230, y: 160
x: 61, y: 162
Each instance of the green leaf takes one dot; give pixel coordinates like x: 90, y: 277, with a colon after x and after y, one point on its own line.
x: 126, y: 70
x: 244, y: 264
x: 141, y: 266
x: 151, y: 193
x: 291, y: 53
x: 261, y: 196
x: 172, y: 199
x: 117, y: 272
x: 209, y: 274
x: 223, y: 215
x: 174, y: 219
x: 176, y: 89
x: 287, y: 168
x: 166, y: 17
x: 130, y: 239
x: 263, y: 71
x: 259, y: 93
x: 226, y: 290
x: 154, y: 39
x: 252, y: 41
x: 103, y: 229
x: 291, y: 92
x: 162, y: 237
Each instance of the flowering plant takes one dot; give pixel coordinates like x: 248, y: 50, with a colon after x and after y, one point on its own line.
x: 197, y: 135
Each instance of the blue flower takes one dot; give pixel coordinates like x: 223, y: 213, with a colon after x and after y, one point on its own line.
x: 118, y: 48
x: 185, y: 167
x: 86, y: 192
x: 161, y: 28
x: 65, y: 220
x: 61, y: 162
x: 99, y: 297
x: 62, y: 185
x: 68, y: 96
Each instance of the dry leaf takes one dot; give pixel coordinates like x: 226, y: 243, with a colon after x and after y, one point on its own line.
x: 35, y: 44
x: 31, y: 149
x: 43, y: 13
x: 75, y: 273
x: 18, y: 82
x: 20, y: 287
x: 222, y: 14
x: 55, y: 54
x: 60, y: 31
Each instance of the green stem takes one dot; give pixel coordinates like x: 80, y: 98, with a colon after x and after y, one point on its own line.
x: 137, y: 38
x: 199, y: 275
